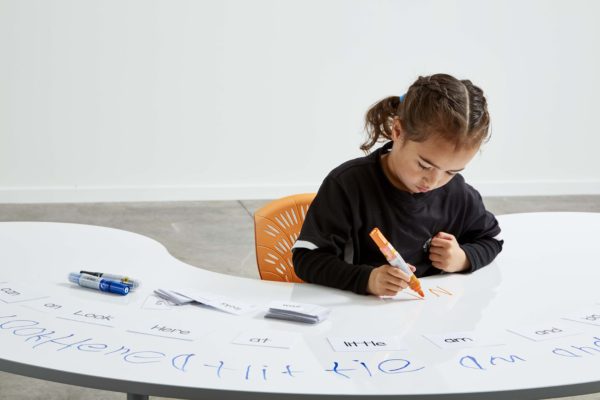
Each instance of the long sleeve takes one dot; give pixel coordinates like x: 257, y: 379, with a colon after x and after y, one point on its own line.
x: 482, y: 252
x: 323, y: 268
x: 323, y: 252
x: 481, y: 238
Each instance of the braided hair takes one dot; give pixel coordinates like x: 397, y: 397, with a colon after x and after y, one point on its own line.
x: 436, y: 105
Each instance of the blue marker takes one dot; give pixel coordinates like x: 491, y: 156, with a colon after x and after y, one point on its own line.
x: 97, y: 283
x: 132, y: 283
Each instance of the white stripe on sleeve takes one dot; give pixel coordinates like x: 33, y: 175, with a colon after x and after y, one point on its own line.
x: 304, y: 244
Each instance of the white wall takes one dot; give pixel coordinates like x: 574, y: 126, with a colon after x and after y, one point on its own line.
x: 179, y: 100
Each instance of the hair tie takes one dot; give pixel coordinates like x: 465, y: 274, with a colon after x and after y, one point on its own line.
x: 402, y: 97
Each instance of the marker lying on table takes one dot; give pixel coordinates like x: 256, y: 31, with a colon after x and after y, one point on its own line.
x: 94, y: 282
x: 395, y: 259
x: 113, y: 277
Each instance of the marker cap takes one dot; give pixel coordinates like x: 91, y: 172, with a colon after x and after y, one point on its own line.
x: 113, y: 287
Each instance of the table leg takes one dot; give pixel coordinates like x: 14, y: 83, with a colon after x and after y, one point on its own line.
x: 131, y: 396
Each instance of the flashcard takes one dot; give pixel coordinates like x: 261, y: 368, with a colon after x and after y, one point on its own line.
x: 461, y: 340
x: 219, y: 302
x: 51, y: 305
x: 165, y: 329
x: 589, y: 316
x: 367, y: 343
x: 277, y: 339
x: 545, y: 331
x: 92, y: 315
x: 153, y: 302
x: 15, y: 293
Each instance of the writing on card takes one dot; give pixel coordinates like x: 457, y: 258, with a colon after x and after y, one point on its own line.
x: 589, y: 316
x: 91, y: 315
x: 15, y: 293
x: 277, y: 339
x: 461, y: 340
x: 168, y: 330
x: 545, y: 331
x: 366, y: 343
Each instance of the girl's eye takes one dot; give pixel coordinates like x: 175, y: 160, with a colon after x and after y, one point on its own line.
x: 451, y: 173
x: 425, y: 167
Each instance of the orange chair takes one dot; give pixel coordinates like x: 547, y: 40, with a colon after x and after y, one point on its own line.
x: 276, y: 228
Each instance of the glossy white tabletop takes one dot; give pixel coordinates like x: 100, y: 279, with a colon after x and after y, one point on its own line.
x: 548, y: 271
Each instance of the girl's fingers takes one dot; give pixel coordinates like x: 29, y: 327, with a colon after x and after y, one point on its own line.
x: 394, y: 282
x: 444, y: 236
x: 438, y: 265
x: 435, y: 258
x: 398, y: 273
x: 443, y: 243
x: 437, y: 252
x: 390, y: 289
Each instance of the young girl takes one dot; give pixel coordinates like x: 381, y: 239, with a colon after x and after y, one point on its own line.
x: 410, y: 188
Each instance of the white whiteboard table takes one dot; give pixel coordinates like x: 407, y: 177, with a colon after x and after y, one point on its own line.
x: 549, y: 270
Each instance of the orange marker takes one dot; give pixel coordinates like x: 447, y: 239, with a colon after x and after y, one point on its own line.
x: 395, y: 259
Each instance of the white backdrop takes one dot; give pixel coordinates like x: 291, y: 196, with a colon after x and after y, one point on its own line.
x: 193, y: 100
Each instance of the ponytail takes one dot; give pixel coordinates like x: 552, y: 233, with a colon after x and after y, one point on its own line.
x: 379, y: 120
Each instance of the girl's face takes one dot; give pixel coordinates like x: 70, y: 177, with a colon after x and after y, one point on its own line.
x: 418, y: 167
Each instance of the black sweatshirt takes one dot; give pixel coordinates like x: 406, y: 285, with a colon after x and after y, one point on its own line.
x: 334, y: 247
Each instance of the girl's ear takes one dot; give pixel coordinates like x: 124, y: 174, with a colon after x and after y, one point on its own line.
x: 397, y: 130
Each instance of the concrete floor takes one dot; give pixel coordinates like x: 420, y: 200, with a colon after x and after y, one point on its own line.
x: 216, y: 235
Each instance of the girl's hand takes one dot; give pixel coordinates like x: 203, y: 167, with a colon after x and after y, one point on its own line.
x: 387, y: 280
x: 446, y: 254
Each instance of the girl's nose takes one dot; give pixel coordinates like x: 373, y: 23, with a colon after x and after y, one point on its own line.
x: 434, y: 177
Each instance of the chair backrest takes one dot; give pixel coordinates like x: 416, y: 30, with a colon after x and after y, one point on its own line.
x: 276, y: 228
